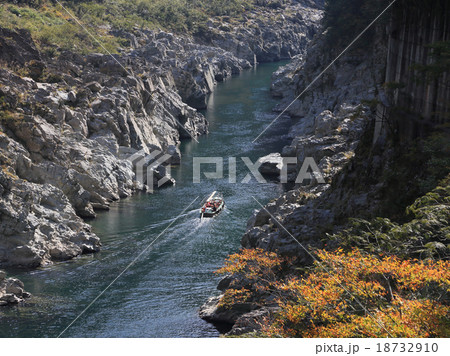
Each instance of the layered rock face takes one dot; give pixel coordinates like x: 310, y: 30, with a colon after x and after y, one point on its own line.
x: 39, y: 224
x: 62, y: 144
x: 328, y: 123
x: 191, y: 68
x: 60, y: 149
x: 73, y: 128
x: 280, y: 30
x: 329, y: 120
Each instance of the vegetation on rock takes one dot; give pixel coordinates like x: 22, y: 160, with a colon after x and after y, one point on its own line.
x: 261, y: 270
x: 346, y: 294
x: 54, y: 29
x: 426, y: 235
x: 359, y: 295
x: 386, y: 279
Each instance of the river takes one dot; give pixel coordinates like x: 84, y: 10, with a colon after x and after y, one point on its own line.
x: 160, y: 294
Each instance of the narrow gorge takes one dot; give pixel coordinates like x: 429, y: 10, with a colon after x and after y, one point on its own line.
x: 70, y: 123
x: 377, y: 125
x: 94, y: 95
x: 74, y: 125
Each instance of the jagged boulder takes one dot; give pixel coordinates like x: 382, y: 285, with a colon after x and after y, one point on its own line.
x: 39, y: 225
x: 17, y: 47
x: 11, y: 290
x: 271, y: 165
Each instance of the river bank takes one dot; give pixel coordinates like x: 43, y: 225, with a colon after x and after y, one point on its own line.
x: 160, y: 296
x: 67, y: 121
x: 356, y: 122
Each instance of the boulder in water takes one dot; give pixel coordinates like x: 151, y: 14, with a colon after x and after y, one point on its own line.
x: 271, y: 164
x: 11, y: 290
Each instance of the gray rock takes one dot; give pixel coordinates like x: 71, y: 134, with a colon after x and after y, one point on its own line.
x: 250, y: 322
x: 212, y: 312
x: 72, y: 97
x: 72, y: 152
x: 38, y: 220
x: 11, y: 290
x: 271, y: 165
x: 94, y: 87
x: 325, y: 124
x: 267, y: 33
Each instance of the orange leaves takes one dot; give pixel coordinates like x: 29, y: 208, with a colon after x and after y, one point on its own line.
x: 258, y: 276
x: 409, y: 275
x: 359, y: 295
x: 251, y: 261
x: 351, y: 294
x: 410, y: 319
x: 234, y: 296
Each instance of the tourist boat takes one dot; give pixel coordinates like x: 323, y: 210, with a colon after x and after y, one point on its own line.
x: 212, y: 206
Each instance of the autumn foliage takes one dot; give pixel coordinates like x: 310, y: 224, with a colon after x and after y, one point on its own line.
x: 257, y: 274
x: 345, y: 294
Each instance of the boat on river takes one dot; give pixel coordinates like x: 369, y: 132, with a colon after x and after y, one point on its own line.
x: 212, y: 206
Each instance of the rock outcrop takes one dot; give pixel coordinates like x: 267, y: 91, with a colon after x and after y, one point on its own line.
x: 60, y: 148
x: 271, y: 165
x: 11, y: 290
x: 39, y: 225
x: 276, y: 31
x: 190, y: 68
x: 328, y: 125
x: 329, y: 120
x: 75, y: 129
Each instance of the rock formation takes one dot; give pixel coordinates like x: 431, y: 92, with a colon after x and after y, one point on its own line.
x: 343, y: 121
x: 73, y: 129
x: 11, y: 290
x: 276, y: 32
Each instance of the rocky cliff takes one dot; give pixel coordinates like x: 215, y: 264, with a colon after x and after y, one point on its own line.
x: 329, y: 121
x: 69, y: 123
x: 60, y: 148
x: 345, y: 122
x: 278, y: 31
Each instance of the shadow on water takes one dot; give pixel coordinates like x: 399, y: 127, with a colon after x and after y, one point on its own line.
x: 159, y: 296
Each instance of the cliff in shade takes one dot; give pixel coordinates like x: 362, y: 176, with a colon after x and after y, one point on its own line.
x: 70, y: 118
x: 425, y: 94
x: 377, y: 125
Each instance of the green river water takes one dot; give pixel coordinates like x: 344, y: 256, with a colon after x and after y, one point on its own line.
x: 159, y: 296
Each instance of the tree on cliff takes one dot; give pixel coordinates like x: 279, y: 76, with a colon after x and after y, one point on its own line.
x: 346, y: 294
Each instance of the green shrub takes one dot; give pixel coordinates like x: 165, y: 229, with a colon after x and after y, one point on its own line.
x: 427, y: 234
x: 54, y: 29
